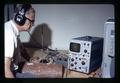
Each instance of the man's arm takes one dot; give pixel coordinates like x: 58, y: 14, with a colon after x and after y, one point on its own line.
x: 8, y: 73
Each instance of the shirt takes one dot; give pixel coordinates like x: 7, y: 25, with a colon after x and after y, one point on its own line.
x: 11, y: 33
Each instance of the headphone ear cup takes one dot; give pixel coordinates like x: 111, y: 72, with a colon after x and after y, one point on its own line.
x: 20, y: 19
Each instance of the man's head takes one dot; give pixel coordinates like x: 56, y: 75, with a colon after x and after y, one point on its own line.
x: 24, y: 17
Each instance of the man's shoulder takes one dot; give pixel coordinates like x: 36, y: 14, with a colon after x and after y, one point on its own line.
x: 7, y: 25
x: 8, y: 22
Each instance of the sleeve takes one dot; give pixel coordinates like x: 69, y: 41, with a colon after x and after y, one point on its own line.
x: 9, y: 43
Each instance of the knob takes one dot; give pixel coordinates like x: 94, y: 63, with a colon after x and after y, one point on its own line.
x: 79, y: 58
x: 83, y: 63
x: 84, y: 43
x: 60, y: 59
x: 88, y: 44
x: 65, y: 59
x: 83, y: 55
x: 72, y: 65
x: 85, y: 50
x: 75, y: 62
x: 72, y: 59
x: 79, y: 67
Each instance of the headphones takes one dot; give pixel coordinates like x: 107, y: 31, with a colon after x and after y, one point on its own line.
x: 20, y: 17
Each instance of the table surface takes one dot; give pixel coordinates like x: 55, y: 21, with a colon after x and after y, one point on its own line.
x: 67, y: 73
x: 76, y: 74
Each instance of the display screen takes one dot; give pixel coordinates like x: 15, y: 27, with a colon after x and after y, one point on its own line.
x: 75, y: 47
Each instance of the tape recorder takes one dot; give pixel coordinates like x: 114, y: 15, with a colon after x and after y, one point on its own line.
x: 85, y: 54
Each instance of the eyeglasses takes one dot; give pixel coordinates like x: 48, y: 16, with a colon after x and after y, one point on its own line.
x: 32, y: 21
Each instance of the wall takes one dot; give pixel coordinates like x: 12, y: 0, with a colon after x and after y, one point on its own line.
x: 8, y: 11
x: 66, y: 21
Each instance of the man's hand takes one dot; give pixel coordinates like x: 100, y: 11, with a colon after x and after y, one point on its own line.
x: 8, y: 73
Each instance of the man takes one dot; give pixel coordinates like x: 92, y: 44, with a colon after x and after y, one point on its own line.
x: 22, y: 21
